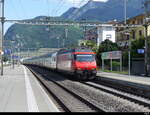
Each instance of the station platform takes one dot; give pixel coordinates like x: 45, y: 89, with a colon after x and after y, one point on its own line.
x: 21, y: 92
x: 129, y: 78
x: 138, y: 84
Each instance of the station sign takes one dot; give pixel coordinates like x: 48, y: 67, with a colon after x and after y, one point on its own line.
x: 7, y: 51
x: 141, y: 51
x: 112, y: 55
x: 15, y: 57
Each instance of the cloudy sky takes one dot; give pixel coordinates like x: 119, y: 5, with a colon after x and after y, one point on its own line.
x: 27, y: 9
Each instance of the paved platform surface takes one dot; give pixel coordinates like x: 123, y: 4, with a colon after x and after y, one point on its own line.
x: 135, y: 79
x: 21, y: 92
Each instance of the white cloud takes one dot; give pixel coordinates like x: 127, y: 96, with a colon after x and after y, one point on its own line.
x: 101, y: 0
x: 79, y: 3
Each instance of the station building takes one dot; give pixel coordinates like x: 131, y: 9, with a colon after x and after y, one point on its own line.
x: 124, y: 34
x: 100, y: 34
x: 119, y: 34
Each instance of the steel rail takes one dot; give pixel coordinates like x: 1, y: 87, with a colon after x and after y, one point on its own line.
x: 89, y: 104
x: 65, y: 108
x: 120, y: 94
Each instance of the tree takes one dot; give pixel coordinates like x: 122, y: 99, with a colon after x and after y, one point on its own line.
x: 106, y: 46
x: 5, y: 58
x: 135, y: 45
x: 92, y: 45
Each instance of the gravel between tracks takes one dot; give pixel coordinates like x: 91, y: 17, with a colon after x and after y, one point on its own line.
x: 105, y: 100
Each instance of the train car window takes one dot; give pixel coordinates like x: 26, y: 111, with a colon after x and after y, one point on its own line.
x: 69, y: 56
x: 54, y: 59
x: 72, y: 56
x: 85, y: 57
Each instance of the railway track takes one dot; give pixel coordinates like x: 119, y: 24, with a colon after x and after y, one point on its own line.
x: 133, y: 88
x: 68, y: 100
x: 134, y: 98
x: 87, y: 105
x: 123, y: 91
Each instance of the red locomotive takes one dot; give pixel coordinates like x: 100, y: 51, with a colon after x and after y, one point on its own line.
x: 80, y: 63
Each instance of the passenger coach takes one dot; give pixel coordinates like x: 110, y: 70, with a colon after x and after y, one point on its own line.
x: 80, y: 62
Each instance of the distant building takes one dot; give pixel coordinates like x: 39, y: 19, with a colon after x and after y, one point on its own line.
x: 139, y: 19
x: 81, y: 42
x: 112, y: 22
x: 107, y: 32
x: 100, y: 34
x: 134, y: 33
x: 91, y: 35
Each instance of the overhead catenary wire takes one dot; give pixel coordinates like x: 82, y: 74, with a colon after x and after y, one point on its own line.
x: 48, y: 7
x: 55, y: 9
x: 15, y: 11
x: 22, y: 7
x: 78, y: 10
x: 63, y: 4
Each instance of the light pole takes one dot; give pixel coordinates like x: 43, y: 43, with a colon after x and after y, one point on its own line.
x: 12, y: 53
x: 28, y: 52
x: 129, y: 53
x: 146, y: 35
x: 128, y: 36
x: 84, y: 28
x: 125, y: 12
x: 146, y: 51
x: 58, y: 41
x: 18, y: 53
x: 2, y: 20
x: 66, y: 35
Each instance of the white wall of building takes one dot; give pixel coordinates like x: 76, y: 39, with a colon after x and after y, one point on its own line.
x: 109, y: 35
x: 106, y: 33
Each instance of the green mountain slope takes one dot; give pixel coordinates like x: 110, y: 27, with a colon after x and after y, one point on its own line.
x: 29, y: 36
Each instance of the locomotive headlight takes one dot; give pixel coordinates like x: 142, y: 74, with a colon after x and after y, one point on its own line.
x: 93, y: 68
x: 79, y: 69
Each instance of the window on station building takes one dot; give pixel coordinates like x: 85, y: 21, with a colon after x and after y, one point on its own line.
x: 138, y: 21
x: 133, y: 34
x: 108, y: 36
x: 140, y: 33
x: 133, y: 22
x: 141, y: 21
x: 128, y: 37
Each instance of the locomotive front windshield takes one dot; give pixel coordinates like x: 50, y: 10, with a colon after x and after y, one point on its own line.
x: 85, y: 57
